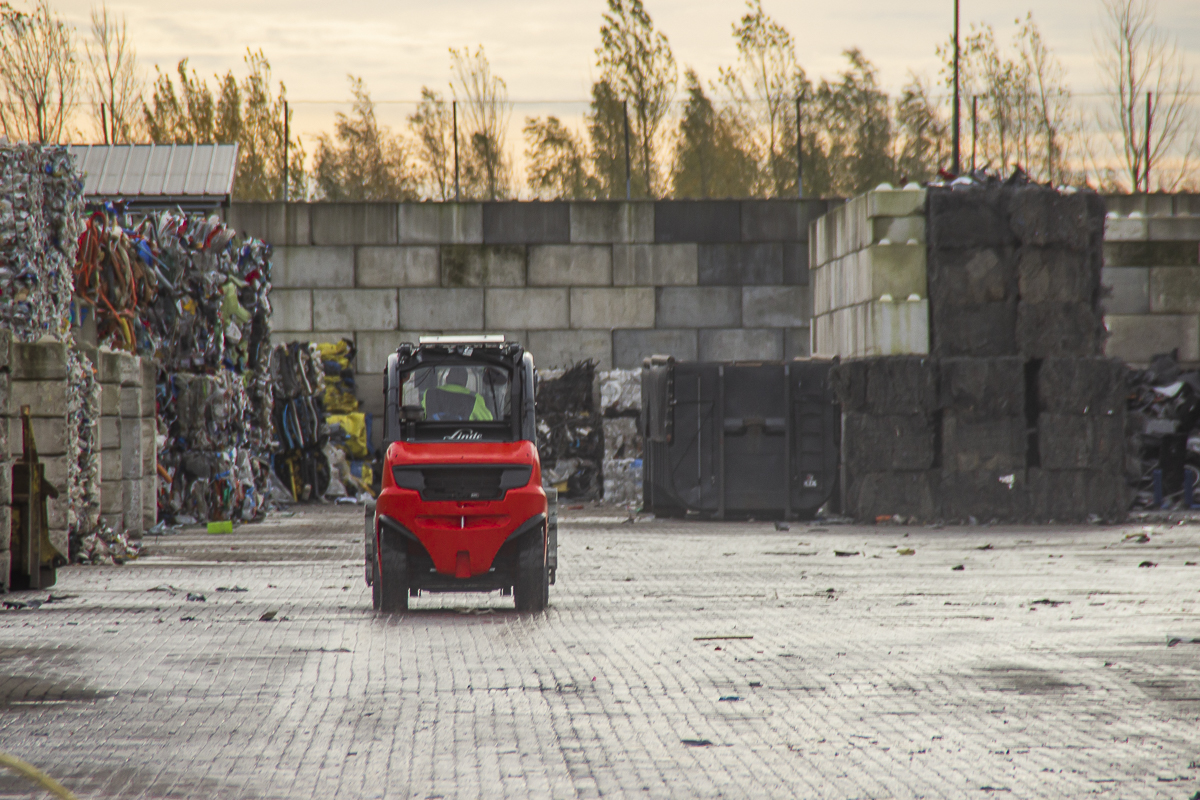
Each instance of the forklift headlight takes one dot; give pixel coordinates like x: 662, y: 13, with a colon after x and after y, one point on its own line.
x: 515, y: 477
x: 409, y: 478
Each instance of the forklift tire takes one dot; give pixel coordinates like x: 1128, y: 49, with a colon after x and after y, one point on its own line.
x: 531, y: 591
x: 375, y: 598
x: 393, y: 573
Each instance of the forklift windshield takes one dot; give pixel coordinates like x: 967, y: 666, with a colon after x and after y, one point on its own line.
x: 458, y: 393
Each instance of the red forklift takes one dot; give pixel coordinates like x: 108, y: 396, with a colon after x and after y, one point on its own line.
x: 461, y: 506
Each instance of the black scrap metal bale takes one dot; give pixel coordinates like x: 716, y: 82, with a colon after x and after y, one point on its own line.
x: 874, y: 443
x: 901, y: 385
x: 570, y: 393
x: 570, y: 428
x: 995, y: 445
x: 982, y: 388
x: 1044, y: 217
x: 1082, y: 385
x: 968, y: 217
x: 1076, y: 495
x: 1078, y: 442
x: 1058, y: 329
x: 972, y: 276
x: 909, y: 494
x: 984, y: 495
x: 983, y: 331
x: 849, y: 382
x: 1058, y: 275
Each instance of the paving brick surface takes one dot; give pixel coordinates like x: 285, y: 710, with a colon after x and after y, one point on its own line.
x: 677, y: 659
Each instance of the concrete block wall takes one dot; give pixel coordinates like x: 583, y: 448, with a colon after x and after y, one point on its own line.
x: 870, y: 288
x: 1151, y: 276
x: 613, y: 281
x: 129, y: 452
x: 38, y: 373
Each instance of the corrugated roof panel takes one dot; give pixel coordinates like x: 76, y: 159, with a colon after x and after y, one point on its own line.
x: 135, y: 168
x: 146, y: 170
x: 196, y: 181
x: 156, y: 169
x: 108, y: 178
x: 223, y: 170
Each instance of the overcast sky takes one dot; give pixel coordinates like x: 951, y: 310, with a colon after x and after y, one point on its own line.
x: 544, y: 49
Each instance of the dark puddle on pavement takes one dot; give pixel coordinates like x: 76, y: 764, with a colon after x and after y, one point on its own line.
x: 17, y: 691
x: 1027, y: 680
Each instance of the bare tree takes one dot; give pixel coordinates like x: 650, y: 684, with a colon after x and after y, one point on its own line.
x: 114, y: 88
x: 637, y: 62
x: 1136, y: 57
x: 39, y: 73
x: 483, y: 97
x: 765, y: 85
x: 432, y: 125
x: 1051, y: 99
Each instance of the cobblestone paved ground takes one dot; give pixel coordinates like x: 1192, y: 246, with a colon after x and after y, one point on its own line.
x: 677, y: 660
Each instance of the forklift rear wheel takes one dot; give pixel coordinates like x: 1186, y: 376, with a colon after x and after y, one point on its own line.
x: 393, y: 573
x: 375, y: 582
x: 531, y: 591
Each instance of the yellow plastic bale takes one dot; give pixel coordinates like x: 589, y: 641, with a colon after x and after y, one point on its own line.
x: 355, y: 426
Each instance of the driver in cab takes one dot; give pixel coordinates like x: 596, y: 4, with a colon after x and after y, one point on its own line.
x: 454, y: 402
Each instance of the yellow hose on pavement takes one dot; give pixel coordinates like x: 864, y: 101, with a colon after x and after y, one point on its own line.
x: 36, y: 775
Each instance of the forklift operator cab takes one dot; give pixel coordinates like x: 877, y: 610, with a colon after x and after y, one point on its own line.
x: 461, y: 506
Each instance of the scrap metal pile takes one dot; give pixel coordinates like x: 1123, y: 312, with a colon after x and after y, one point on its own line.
x: 181, y: 289
x: 570, y: 433
x: 1164, y: 435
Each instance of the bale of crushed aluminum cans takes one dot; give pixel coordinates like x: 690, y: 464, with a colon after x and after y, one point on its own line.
x: 40, y: 200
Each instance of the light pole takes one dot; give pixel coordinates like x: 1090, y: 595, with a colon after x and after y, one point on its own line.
x: 957, y: 165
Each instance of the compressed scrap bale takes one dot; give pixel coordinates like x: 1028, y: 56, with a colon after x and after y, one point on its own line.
x: 909, y: 494
x: 901, y: 385
x: 893, y: 442
x: 991, y: 445
x: 980, y: 331
x: 41, y: 192
x: 984, y: 495
x: 1077, y: 442
x: 849, y: 382
x: 972, y: 217
x: 570, y: 436
x: 1082, y: 385
x: 1058, y: 329
x: 1044, y: 217
x: 979, y: 389
x: 972, y: 276
x: 620, y: 392
x: 1058, y: 275
x: 1076, y: 495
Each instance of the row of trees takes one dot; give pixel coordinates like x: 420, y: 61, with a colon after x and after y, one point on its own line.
x: 648, y: 131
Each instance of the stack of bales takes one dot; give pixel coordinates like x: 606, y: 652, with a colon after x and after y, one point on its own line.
x: 1014, y: 415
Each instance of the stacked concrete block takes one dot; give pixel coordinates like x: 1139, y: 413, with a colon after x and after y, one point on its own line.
x: 114, y: 369
x: 38, y: 374
x: 1151, y: 279
x: 5, y: 460
x: 610, y: 281
x: 868, y: 275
